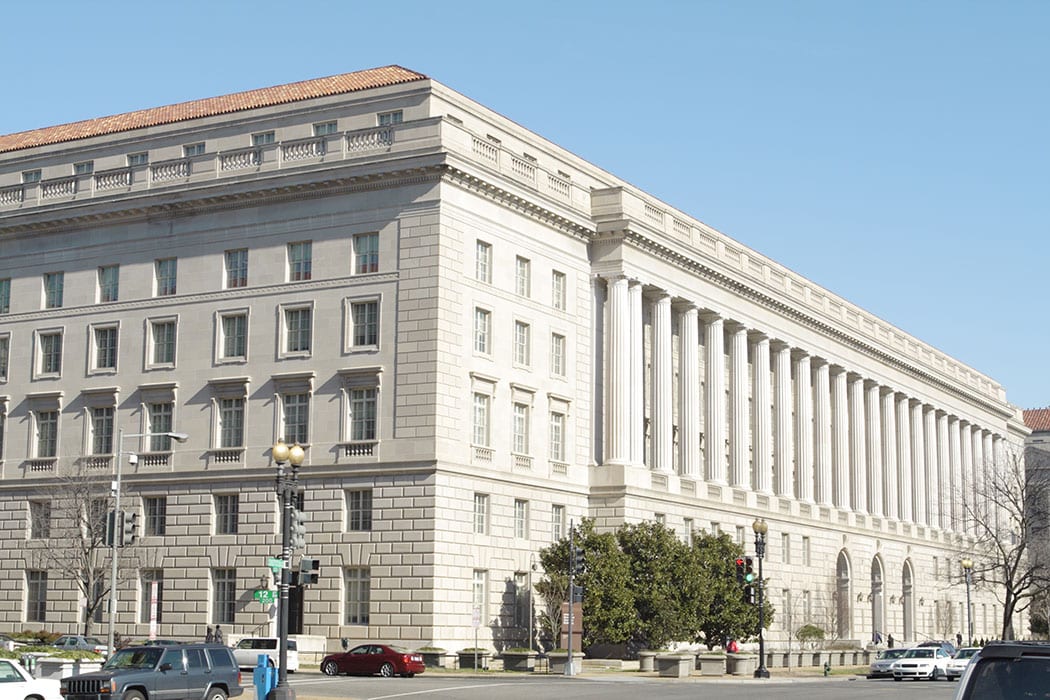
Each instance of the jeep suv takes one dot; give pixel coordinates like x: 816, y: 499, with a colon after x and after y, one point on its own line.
x: 190, y: 671
x: 1006, y: 670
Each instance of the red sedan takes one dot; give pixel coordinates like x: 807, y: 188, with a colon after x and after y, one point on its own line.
x: 370, y: 659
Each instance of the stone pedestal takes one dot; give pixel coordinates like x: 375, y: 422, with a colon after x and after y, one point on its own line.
x: 519, y: 661
x: 741, y: 664
x: 558, y: 660
x: 646, y: 661
x: 674, y: 665
x: 711, y: 664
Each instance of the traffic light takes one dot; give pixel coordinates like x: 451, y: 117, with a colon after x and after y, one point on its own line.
x: 740, y: 571
x: 309, y: 570
x: 749, y: 571
x: 298, y: 529
x: 749, y: 594
x: 576, y: 561
x: 129, y: 528
x: 577, y: 594
x: 113, y: 529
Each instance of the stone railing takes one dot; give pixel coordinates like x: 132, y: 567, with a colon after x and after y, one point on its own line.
x: 360, y: 448
x: 113, y: 179
x: 239, y: 159
x: 303, y: 149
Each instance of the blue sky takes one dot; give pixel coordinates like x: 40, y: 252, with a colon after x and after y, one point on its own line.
x: 895, y: 152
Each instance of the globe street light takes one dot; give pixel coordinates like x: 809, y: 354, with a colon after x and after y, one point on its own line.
x: 761, y: 528
x: 967, y: 565
x: 286, y: 486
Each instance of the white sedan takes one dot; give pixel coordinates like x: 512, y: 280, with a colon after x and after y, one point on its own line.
x: 958, y: 663
x: 922, y: 662
x: 16, y: 683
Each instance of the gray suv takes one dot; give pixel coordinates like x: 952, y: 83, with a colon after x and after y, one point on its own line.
x: 1006, y: 671
x: 185, y: 672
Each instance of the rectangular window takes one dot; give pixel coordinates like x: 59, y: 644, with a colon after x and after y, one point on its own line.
x: 30, y: 176
x: 390, y: 118
x: 236, y: 268
x: 557, y: 522
x: 102, y: 430
x: 300, y: 261
x: 358, y: 585
x: 51, y: 353
x: 483, y: 262
x: 47, y: 434
x: 149, y: 577
x: 557, y: 355
x: 5, y: 355
x: 5, y: 295
x: 106, y: 348
x: 231, y: 422
x: 522, y: 335
x: 193, y: 149
x: 108, y: 283
x: 84, y: 167
x: 298, y: 326
x: 296, y: 418
x: 522, y: 275
x: 687, y: 531
x: 478, y: 593
x: 521, y: 429
x: 364, y: 315
x: 359, y: 510
x: 740, y: 535
x: 481, y: 419
x: 156, y: 512
x: 234, y: 336
x: 39, y: 520
x: 224, y: 595
x: 805, y: 553
x: 166, y: 272
x: 36, y: 596
x: 481, y: 513
x: 138, y: 159
x: 363, y: 414
x: 558, y: 290
x: 227, y: 508
x: 163, y: 337
x: 264, y: 139
x: 160, y: 421
x: 53, y: 289
x: 521, y: 519
x: 324, y: 129
x: 660, y: 518
x: 366, y: 253
x: 557, y: 437
x: 482, y: 330
x: 785, y: 548
x: 521, y: 599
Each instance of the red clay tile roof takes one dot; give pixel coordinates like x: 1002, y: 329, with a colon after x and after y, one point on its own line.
x: 238, y: 101
x: 1037, y: 419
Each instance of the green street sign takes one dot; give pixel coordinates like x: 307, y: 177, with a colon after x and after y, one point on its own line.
x: 276, y: 564
x: 265, y: 595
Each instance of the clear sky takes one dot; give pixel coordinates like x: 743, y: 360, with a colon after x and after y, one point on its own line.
x: 894, y: 151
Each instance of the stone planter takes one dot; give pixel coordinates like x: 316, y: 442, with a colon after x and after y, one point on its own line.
x: 434, y: 659
x: 646, y: 661
x: 674, y: 665
x: 711, y: 664
x: 519, y: 661
x: 741, y: 664
x: 558, y: 660
x: 467, y: 660
x: 50, y: 667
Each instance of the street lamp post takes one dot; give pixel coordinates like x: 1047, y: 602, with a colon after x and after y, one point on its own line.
x: 967, y: 565
x: 761, y: 528
x: 286, y: 485
x: 113, y: 542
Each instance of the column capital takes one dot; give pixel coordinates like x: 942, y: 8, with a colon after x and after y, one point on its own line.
x: 779, y: 345
x: 757, y: 336
x: 799, y: 354
x: 709, y: 316
x: 734, y: 326
x: 819, y: 361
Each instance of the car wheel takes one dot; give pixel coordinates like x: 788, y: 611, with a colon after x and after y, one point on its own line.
x: 134, y: 695
x: 330, y: 668
x: 386, y: 670
x: 216, y: 694
x: 936, y: 675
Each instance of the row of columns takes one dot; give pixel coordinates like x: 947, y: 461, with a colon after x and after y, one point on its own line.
x: 803, y: 427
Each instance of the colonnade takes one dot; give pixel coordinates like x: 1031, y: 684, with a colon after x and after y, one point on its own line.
x: 753, y: 412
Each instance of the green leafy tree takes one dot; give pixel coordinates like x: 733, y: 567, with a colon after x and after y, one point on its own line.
x: 722, y: 612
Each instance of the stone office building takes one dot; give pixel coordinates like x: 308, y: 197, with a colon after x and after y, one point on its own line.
x: 479, y: 338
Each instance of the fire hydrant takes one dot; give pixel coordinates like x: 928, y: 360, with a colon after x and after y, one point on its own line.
x: 827, y: 669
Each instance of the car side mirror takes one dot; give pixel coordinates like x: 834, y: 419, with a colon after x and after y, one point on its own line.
x: 165, y: 666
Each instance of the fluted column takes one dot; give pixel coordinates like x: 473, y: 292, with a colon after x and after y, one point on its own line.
x: 905, y: 474
x: 857, y: 445
x: 873, y: 445
x: 890, y: 490
x: 804, y: 427
x: 987, y: 501
x: 955, y: 464
x: 739, y: 456
x: 636, y: 381
x: 762, y: 432
x: 840, y: 438
x: 823, y: 480
x: 715, y: 399
x: 663, y: 391
x: 783, y: 469
x: 977, y: 438
x: 933, y: 498
x: 618, y: 379
x: 918, y: 465
x: 689, y: 394
x: 944, y: 474
x: 966, y: 466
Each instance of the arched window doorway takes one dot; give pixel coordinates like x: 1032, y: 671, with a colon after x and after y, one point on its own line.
x: 843, y: 604
x: 908, y: 602
x: 878, y: 608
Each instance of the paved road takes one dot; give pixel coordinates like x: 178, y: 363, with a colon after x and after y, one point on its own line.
x: 618, y: 686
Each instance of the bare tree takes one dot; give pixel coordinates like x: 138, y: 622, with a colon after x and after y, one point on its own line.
x: 1007, y: 516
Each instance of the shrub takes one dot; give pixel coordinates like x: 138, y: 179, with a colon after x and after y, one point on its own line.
x: 810, y: 634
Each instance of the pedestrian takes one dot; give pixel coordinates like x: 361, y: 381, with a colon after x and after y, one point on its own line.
x: 733, y: 647
x: 218, y: 635
x: 889, y: 640
x: 209, y: 636
x: 877, y: 638
x: 958, y: 639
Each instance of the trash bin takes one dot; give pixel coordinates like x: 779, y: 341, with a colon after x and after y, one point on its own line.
x: 264, y: 676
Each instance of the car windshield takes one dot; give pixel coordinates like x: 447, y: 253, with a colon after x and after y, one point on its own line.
x: 892, y: 653
x: 133, y: 658
x: 919, y: 654
x: 965, y: 653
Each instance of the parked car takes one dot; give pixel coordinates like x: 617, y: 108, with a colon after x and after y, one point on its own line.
x: 958, y: 663
x: 369, y: 659
x: 248, y: 649
x: 198, y: 671
x: 1006, y: 670
x: 881, y: 667
x: 922, y: 662
x: 16, y: 683
x: 80, y: 642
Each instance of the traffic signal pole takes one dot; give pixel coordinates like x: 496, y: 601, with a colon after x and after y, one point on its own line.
x: 572, y: 571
